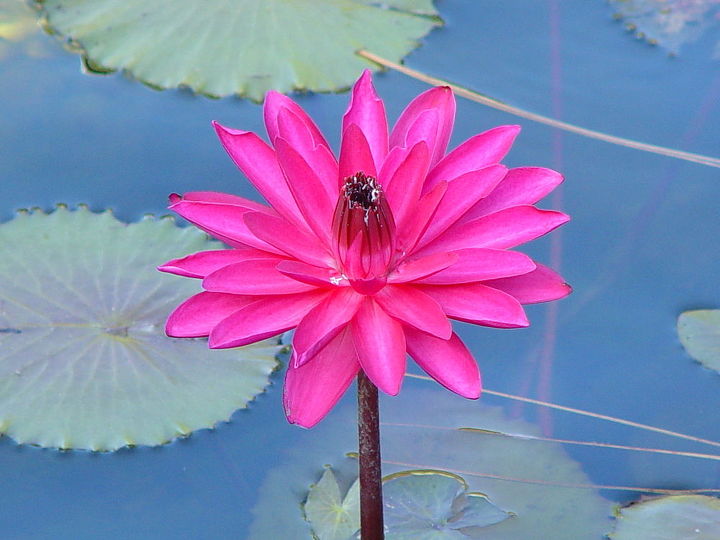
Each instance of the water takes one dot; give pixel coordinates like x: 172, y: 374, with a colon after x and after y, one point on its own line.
x: 641, y: 248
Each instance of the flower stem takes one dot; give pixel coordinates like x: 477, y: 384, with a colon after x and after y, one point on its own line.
x: 371, y: 504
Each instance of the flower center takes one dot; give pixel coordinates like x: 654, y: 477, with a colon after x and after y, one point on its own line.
x: 364, y: 233
x: 362, y: 191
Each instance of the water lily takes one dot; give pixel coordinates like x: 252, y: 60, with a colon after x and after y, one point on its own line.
x: 367, y: 256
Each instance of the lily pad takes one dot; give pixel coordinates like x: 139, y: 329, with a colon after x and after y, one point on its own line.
x: 243, y: 47
x: 84, y: 360
x: 699, y: 332
x: 419, y: 505
x: 333, y: 517
x: 436, y: 505
x: 670, y: 23
x: 695, y: 517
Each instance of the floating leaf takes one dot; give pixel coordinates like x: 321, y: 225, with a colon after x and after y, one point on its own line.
x: 84, y: 360
x: 537, y: 481
x: 435, y: 505
x: 670, y: 518
x: 419, y: 505
x: 331, y: 516
x: 699, y: 332
x: 223, y: 47
x: 670, y: 23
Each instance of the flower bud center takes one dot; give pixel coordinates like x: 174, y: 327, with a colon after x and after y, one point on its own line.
x: 364, y: 233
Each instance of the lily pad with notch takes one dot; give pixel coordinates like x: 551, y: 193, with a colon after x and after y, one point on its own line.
x: 224, y: 47
x: 84, y: 359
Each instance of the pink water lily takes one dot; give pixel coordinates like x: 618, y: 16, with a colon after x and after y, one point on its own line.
x: 368, y: 256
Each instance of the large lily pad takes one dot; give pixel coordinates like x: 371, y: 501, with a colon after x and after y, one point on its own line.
x: 670, y: 23
x: 677, y: 517
x: 243, y: 47
x: 699, y: 332
x: 84, y: 360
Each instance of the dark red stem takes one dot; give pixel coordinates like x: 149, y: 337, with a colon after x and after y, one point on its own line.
x: 371, y: 503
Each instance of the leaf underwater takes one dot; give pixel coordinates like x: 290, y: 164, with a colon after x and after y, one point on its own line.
x: 541, y: 511
x: 84, y: 360
x: 670, y: 518
x: 699, y: 332
x: 225, y: 47
x: 671, y: 24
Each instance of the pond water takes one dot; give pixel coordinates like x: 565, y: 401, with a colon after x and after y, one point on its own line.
x: 640, y: 249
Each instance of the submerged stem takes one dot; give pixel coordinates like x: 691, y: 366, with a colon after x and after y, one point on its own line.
x: 371, y: 504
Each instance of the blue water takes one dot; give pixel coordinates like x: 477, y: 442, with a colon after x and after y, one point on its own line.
x: 641, y: 248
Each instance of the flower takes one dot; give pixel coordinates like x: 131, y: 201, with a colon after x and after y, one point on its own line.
x: 368, y: 256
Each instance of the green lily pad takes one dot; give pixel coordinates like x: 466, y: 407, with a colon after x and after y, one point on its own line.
x: 535, y: 480
x: 333, y: 517
x: 243, y: 47
x: 677, y: 517
x: 84, y: 360
x: 419, y: 505
x: 699, y: 332
x: 436, y: 505
x: 669, y: 23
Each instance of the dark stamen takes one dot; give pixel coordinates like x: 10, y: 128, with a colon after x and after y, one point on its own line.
x: 361, y: 191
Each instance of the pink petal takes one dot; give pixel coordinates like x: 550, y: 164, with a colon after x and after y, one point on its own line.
x: 285, y: 238
x: 380, y: 345
x: 414, y: 228
x: 394, y: 159
x: 406, y: 185
x: 415, y: 308
x: 199, y: 265
x: 366, y: 110
x: 254, y: 277
x: 501, y: 230
x: 487, y: 148
x: 274, y: 103
x: 319, y: 158
x: 449, y: 362
x: 307, y: 273
x: 435, y: 134
x: 419, y: 268
x: 480, y: 265
x: 314, y: 388
x: 355, y: 154
x: 199, y: 314
x: 479, y: 304
x: 217, y: 197
x: 307, y: 188
x: 323, y: 323
x: 263, y: 318
x: 540, y: 285
x: 259, y: 163
x: 225, y: 221
x: 462, y: 193
x: 521, y: 186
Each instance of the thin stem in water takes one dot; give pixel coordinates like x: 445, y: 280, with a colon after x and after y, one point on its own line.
x: 371, y: 503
